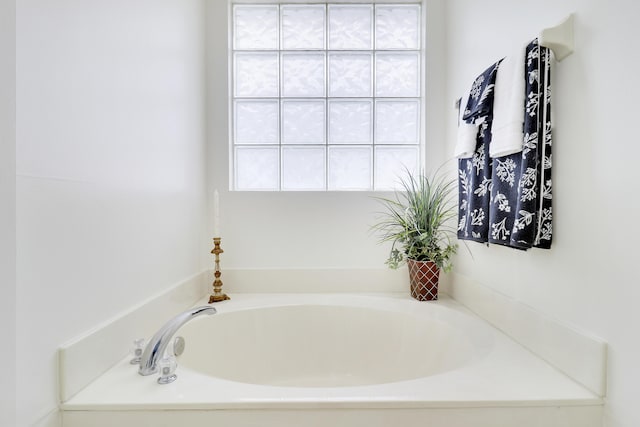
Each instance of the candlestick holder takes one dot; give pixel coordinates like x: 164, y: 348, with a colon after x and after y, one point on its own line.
x: 217, y: 283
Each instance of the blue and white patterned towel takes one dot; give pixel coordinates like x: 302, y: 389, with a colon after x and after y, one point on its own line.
x: 507, y: 200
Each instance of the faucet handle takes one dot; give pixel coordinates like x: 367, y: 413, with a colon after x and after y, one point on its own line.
x: 178, y: 346
x: 167, y: 367
x: 136, y: 351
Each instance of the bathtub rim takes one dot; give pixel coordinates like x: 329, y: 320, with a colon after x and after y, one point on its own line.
x: 584, y: 359
x: 92, y: 399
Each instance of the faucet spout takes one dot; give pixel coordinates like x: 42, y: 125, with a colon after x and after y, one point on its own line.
x: 158, y: 344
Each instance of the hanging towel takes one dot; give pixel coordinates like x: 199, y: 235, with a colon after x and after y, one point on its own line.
x: 508, y: 104
x: 467, y: 134
x: 533, y: 221
x: 507, y: 200
x: 474, y: 174
x: 520, y: 210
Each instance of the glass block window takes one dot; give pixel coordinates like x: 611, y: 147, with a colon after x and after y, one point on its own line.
x: 325, y: 96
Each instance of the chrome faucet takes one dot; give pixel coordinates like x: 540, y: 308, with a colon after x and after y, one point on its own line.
x: 158, y: 344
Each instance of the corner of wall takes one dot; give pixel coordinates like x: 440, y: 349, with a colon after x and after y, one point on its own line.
x: 8, y: 207
x: 436, y: 112
x: 52, y: 419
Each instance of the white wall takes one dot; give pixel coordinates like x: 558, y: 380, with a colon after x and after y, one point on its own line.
x: 7, y: 208
x: 110, y: 170
x: 295, y: 230
x: 590, y: 277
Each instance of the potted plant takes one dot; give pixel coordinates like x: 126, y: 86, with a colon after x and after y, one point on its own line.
x: 419, y: 223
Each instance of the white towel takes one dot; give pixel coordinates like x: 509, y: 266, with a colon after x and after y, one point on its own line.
x: 467, y: 134
x: 508, y: 106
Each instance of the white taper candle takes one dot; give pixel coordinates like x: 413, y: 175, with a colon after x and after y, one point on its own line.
x: 216, y: 214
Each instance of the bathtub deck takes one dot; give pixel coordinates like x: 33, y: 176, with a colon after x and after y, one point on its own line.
x: 507, y: 386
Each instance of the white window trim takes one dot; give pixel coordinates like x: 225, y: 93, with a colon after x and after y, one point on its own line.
x: 422, y: 93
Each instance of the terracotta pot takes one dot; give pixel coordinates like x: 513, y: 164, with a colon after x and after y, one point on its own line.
x: 423, y: 278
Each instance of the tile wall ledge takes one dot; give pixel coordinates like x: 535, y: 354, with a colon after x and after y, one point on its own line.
x: 330, y: 280
x: 86, y: 357
x: 578, y: 354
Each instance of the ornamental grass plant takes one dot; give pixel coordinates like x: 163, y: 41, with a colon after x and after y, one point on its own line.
x: 419, y: 220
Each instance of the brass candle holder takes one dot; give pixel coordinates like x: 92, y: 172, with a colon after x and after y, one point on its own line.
x: 217, y: 283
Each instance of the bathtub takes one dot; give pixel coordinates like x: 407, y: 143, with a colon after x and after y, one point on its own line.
x: 340, y: 360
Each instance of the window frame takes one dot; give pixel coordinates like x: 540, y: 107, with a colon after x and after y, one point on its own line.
x: 281, y: 99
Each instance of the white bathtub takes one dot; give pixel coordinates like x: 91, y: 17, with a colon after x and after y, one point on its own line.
x: 340, y: 360
x: 332, y: 341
